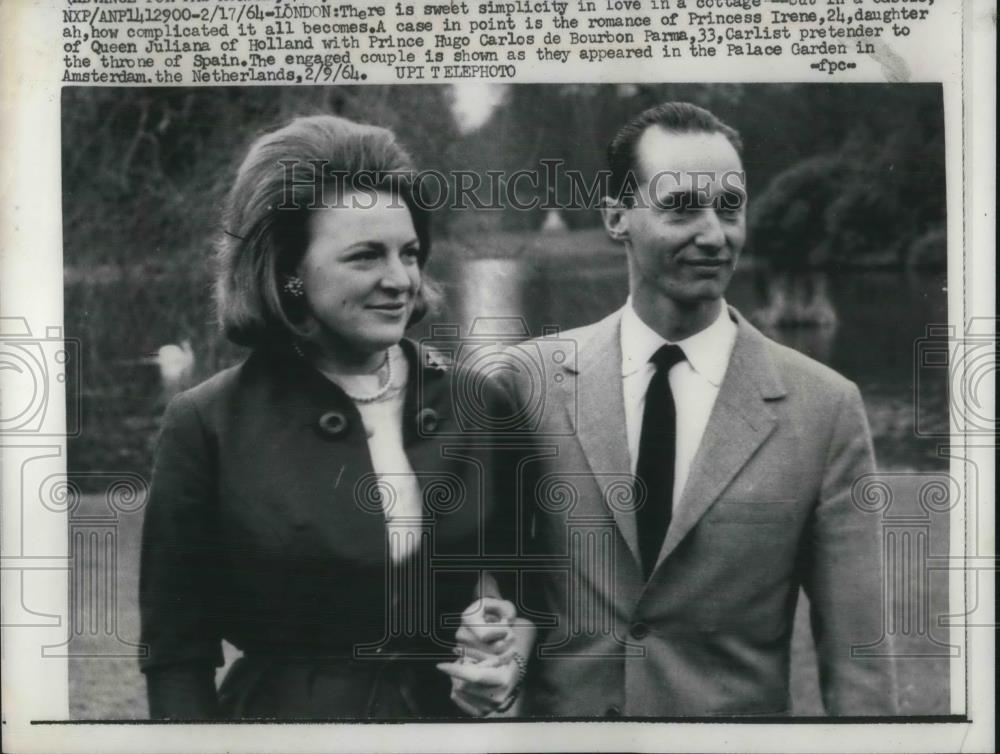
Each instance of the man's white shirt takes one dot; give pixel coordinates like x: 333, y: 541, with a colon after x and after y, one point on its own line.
x: 694, y: 383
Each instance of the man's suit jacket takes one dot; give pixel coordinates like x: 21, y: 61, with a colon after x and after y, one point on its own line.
x: 767, y: 508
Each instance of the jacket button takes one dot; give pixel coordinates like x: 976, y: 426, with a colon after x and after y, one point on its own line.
x: 427, y: 420
x: 639, y: 631
x: 333, y: 423
x: 613, y: 711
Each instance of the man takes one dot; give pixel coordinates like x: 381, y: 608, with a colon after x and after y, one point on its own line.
x: 737, y: 458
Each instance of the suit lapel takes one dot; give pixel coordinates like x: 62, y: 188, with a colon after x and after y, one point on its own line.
x: 600, y: 419
x: 739, y: 423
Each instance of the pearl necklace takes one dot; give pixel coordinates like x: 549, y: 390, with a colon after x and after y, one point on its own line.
x: 378, y: 394
x: 381, y: 392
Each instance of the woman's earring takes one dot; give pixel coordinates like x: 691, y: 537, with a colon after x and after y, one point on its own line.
x: 294, y: 286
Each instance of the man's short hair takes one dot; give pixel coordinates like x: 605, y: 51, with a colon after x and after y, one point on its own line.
x: 674, y: 117
x: 286, y: 175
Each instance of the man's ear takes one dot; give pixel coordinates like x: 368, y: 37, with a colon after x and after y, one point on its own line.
x: 615, y: 217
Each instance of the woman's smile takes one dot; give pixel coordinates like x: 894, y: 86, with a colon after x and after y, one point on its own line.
x: 392, y: 307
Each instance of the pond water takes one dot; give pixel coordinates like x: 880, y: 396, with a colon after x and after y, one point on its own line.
x: 882, y: 321
x: 573, y: 279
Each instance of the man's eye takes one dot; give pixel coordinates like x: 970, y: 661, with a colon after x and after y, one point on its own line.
x: 676, y: 202
x: 730, y: 202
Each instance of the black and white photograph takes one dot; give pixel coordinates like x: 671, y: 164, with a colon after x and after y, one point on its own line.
x: 515, y: 375
x: 509, y: 402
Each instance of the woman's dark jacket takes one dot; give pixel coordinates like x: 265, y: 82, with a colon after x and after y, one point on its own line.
x: 264, y: 528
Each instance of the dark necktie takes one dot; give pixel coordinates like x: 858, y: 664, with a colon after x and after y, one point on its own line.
x: 657, y: 448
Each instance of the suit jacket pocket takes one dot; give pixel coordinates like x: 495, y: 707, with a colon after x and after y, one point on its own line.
x: 756, y: 512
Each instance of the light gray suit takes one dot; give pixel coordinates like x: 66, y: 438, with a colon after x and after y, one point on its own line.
x: 767, y: 507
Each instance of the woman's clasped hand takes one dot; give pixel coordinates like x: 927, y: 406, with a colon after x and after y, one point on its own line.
x: 493, y: 644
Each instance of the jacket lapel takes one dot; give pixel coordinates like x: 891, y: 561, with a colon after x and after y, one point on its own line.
x: 600, y: 419
x: 739, y: 423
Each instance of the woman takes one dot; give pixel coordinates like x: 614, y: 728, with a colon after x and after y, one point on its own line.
x: 302, y: 502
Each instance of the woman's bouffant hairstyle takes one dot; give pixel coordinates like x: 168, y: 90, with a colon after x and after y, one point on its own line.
x: 307, y: 165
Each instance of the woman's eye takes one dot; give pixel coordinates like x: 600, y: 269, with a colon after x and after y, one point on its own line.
x: 363, y: 255
x: 411, y: 253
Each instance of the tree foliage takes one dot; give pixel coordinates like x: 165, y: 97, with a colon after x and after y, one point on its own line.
x: 836, y: 173
x: 144, y: 170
